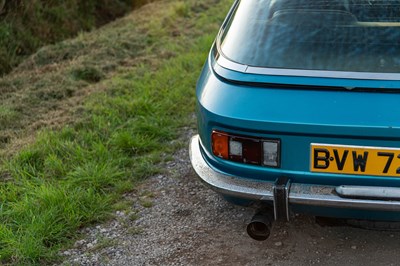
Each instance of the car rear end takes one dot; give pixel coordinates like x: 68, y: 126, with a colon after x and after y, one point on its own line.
x: 298, y: 110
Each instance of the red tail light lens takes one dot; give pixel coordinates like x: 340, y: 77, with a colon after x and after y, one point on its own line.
x: 250, y: 153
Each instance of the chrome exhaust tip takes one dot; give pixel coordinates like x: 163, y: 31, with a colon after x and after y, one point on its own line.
x: 260, y: 226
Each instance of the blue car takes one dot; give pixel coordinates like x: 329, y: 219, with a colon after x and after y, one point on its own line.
x: 298, y: 110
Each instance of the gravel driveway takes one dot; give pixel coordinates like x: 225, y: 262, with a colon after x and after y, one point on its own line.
x: 188, y: 224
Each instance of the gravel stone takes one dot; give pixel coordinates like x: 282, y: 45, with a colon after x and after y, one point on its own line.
x: 189, y: 224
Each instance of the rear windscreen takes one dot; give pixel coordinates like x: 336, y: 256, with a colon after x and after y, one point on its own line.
x: 333, y: 35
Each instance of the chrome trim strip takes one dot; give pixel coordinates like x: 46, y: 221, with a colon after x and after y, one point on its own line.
x: 323, y: 73
x: 225, y: 63
x: 325, y: 196
x: 303, y: 194
x: 384, y: 193
x: 228, y: 64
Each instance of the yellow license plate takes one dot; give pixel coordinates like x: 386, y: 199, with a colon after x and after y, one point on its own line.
x: 355, y: 160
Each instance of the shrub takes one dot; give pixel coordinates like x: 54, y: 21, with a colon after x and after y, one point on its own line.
x: 26, y: 25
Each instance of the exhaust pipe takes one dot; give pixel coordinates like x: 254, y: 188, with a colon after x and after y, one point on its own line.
x: 260, y: 226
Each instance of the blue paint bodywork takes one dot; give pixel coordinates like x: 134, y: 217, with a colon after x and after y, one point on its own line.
x: 315, y: 112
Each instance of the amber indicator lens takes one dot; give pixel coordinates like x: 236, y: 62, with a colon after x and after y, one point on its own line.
x: 220, y: 144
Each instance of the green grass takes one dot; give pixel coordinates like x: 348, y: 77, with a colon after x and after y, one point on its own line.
x: 8, y: 116
x: 48, y: 88
x: 72, y: 177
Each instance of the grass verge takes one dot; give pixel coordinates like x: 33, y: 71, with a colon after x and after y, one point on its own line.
x: 70, y: 178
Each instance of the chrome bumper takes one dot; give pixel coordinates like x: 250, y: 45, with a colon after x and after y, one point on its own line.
x: 300, y: 194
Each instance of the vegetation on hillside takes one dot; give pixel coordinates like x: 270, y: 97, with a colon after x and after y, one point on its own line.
x: 44, y: 86
x: 119, y: 97
x: 26, y: 25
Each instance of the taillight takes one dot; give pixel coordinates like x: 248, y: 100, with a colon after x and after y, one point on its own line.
x: 245, y: 149
x: 220, y: 145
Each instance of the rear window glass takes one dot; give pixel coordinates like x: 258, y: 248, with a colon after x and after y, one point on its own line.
x: 333, y: 35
